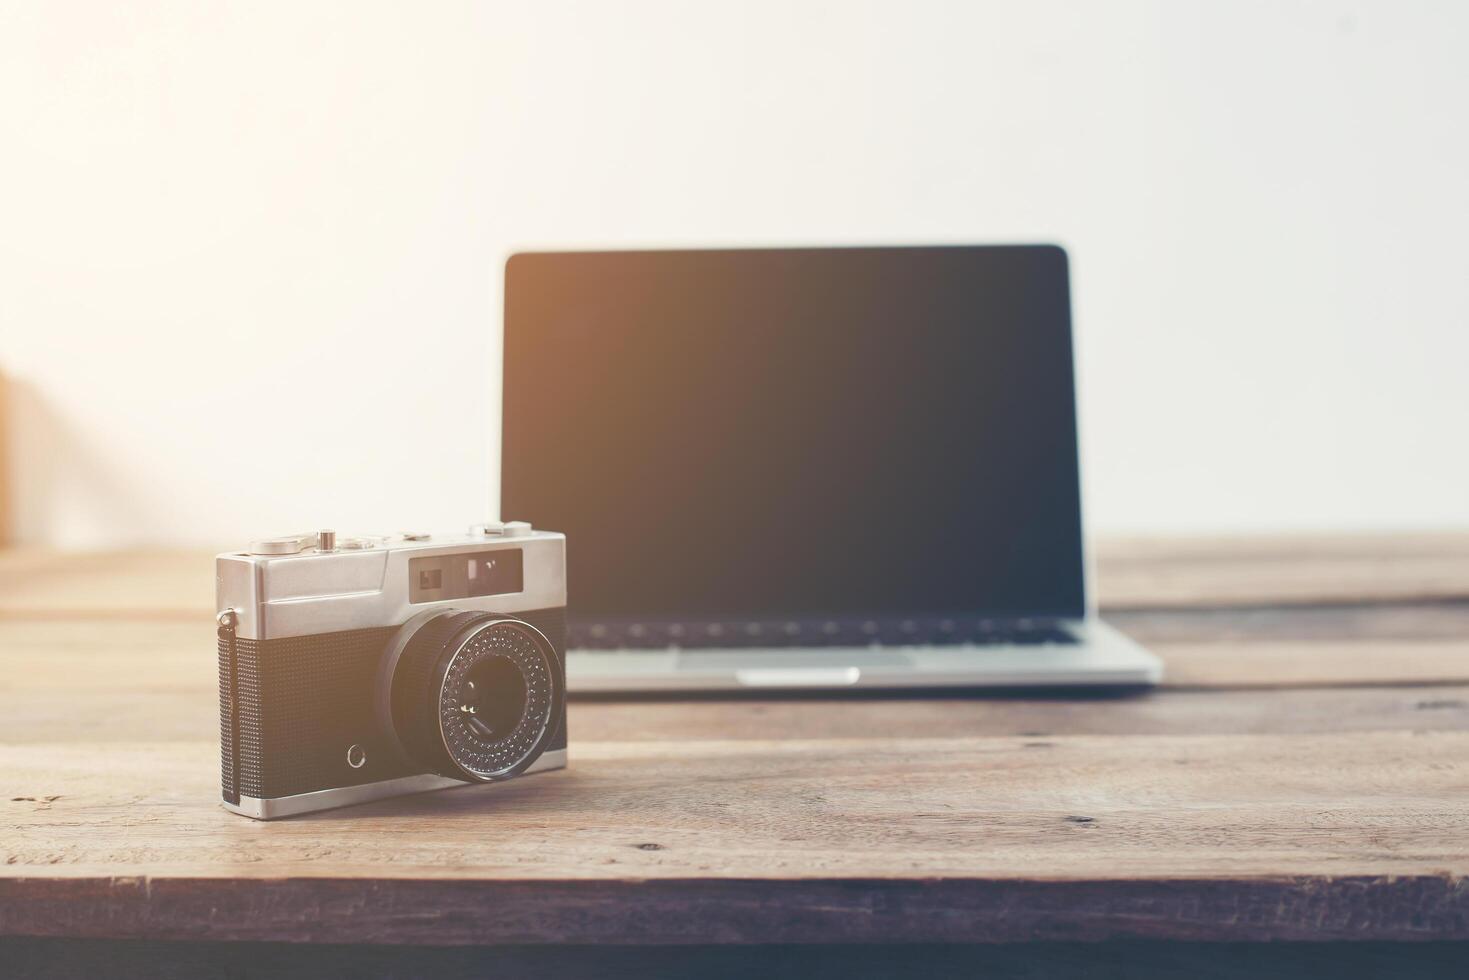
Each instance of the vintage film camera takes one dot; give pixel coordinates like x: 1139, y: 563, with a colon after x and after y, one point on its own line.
x: 354, y: 669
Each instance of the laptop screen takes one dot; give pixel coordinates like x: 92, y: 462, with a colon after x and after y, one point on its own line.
x: 778, y: 433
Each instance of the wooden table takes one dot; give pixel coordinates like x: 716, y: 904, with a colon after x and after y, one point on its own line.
x: 1302, y: 775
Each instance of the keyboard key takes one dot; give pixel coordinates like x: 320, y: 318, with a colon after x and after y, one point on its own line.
x: 784, y: 634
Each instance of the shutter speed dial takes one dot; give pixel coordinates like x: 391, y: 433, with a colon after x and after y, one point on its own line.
x: 507, y: 529
x: 324, y: 541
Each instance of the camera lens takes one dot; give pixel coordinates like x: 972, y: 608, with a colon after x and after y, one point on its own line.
x: 474, y: 695
x: 494, y: 697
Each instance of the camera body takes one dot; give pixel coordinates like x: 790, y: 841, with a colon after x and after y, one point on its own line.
x: 356, y: 669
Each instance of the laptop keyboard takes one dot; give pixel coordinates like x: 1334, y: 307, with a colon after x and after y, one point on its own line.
x: 707, y: 634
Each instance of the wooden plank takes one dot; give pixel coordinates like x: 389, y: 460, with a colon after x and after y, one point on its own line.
x: 1232, y: 806
x: 126, y: 681
x: 1249, y: 624
x: 63, y: 959
x: 91, y: 681
x: 1033, y: 719
x: 138, y: 712
x: 92, y: 717
x: 711, y: 911
x: 157, y: 680
x: 149, y: 585
x: 1181, y: 837
x: 1132, y: 574
x: 1281, y: 569
x: 1088, y: 807
x: 1277, y: 665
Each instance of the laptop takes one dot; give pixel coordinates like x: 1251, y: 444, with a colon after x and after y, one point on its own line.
x: 813, y: 468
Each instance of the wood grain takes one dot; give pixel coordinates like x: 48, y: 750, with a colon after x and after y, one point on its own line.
x: 156, y: 679
x: 1304, y: 778
x: 644, y: 840
x: 1085, y: 807
x: 701, y: 911
x: 1138, y: 959
x: 147, y: 682
x: 129, y: 585
x: 1281, y: 569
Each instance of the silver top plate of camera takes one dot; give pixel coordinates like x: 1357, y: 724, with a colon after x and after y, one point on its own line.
x: 303, y: 584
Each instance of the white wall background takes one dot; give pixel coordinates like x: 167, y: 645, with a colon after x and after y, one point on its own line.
x: 250, y: 252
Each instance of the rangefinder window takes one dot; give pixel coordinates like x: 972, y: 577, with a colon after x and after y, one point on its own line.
x: 500, y: 572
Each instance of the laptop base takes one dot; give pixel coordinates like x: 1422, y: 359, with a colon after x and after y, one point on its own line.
x: 1103, y: 657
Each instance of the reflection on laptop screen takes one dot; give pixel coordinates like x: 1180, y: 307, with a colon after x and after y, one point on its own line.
x: 797, y: 432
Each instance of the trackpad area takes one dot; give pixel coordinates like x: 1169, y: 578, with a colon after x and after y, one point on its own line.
x: 792, y: 668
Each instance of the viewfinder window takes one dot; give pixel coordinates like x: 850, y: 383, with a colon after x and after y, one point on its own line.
x: 463, y: 576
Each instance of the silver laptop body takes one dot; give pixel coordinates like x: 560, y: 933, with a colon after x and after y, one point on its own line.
x: 807, y: 469
x: 1101, y: 656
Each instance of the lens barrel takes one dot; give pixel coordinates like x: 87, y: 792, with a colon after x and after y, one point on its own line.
x: 475, y: 695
